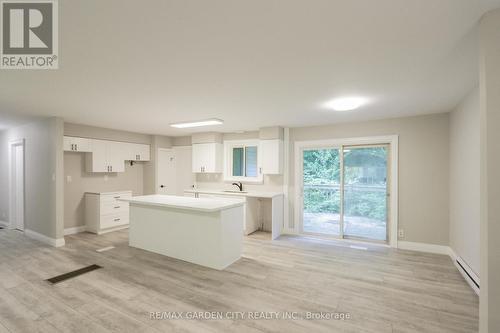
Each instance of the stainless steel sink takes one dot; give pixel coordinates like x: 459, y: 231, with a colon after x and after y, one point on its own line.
x: 234, y: 191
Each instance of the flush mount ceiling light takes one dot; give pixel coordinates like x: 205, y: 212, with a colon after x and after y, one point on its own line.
x: 345, y: 104
x: 198, y: 123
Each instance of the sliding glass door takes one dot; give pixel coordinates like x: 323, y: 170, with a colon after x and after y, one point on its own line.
x: 365, y: 192
x: 345, y: 191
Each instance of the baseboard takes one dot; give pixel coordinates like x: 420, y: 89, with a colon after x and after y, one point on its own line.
x: 44, y: 239
x: 4, y: 224
x: 424, y: 247
x: 74, y: 230
x: 470, y: 277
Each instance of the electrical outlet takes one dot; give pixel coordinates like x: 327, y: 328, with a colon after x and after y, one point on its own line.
x: 106, y: 178
x: 401, y: 233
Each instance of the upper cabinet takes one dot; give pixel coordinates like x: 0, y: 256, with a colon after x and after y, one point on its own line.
x: 271, y: 157
x: 207, y: 157
x: 105, y: 155
x: 82, y: 145
x: 137, y: 152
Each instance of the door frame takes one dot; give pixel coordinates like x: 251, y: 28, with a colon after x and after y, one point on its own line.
x: 391, y: 140
x: 12, y: 187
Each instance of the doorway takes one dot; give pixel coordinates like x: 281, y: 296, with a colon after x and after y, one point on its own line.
x: 174, y: 172
x: 345, y: 189
x: 16, y: 184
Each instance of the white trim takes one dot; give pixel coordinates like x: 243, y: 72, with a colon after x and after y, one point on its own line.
x: 44, y: 239
x: 228, y: 161
x: 286, y: 181
x: 74, y: 230
x: 392, y: 140
x: 12, y: 144
x: 454, y: 257
x: 424, y: 247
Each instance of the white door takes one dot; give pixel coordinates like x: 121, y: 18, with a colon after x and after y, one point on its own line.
x: 167, y: 175
x: 183, y: 161
x: 17, y: 187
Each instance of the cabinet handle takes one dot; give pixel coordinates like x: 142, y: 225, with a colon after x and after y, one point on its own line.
x: 72, y: 146
x: 116, y: 207
x: 116, y: 220
x: 117, y: 197
x: 76, y: 146
x: 111, y: 168
x: 260, y: 170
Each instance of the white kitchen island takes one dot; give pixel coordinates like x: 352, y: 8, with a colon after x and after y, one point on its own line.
x: 203, y: 231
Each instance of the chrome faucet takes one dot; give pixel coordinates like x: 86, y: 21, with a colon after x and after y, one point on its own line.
x: 240, y: 186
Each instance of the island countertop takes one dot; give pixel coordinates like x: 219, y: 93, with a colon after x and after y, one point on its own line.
x: 197, y: 204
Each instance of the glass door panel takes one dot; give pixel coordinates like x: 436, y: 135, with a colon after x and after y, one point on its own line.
x: 365, y: 192
x: 321, y: 196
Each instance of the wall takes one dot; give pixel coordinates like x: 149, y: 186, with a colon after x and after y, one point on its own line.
x: 43, y: 175
x: 423, y: 169
x: 134, y: 177
x: 489, y: 88
x: 464, y: 180
x: 4, y: 180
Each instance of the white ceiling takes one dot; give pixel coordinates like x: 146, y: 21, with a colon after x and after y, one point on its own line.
x: 141, y: 65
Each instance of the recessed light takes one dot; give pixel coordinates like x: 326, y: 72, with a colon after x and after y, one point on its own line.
x: 345, y: 103
x: 198, y: 123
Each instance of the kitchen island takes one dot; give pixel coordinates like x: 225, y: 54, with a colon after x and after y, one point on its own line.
x: 203, y: 231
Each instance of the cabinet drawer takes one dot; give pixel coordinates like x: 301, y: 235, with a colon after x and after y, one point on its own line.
x: 114, y: 220
x: 114, y: 207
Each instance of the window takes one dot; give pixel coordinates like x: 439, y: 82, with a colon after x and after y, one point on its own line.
x: 241, y: 161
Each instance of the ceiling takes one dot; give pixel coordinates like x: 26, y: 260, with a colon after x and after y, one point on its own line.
x: 141, y: 65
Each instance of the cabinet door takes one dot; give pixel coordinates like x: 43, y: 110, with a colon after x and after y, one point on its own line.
x: 116, y: 155
x: 96, y: 161
x: 271, y: 156
x: 213, y: 158
x: 199, y: 155
x: 144, y: 152
x: 68, y: 143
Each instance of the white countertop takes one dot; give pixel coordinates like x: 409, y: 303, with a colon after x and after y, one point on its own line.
x: 252, y: 194
x: 197, y: 204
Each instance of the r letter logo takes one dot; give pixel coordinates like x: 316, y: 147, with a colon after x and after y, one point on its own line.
x: 29, y: 34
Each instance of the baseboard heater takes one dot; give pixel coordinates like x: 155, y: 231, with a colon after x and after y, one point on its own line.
x: 468, y: 274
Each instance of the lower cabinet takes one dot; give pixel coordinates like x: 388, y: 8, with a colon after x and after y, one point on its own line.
x: 104, y: 212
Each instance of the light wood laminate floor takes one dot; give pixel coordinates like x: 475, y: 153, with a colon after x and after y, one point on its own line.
x: 383, y: 290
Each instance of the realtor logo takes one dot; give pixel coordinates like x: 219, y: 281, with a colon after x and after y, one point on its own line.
x: 29, y: 34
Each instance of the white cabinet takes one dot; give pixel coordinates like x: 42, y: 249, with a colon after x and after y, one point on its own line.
x: 207, y: 157
x: 137, y: 152
x: 106, y: 156
x: 82, y: 145
x: 271, y: 157
x: 104, y: 212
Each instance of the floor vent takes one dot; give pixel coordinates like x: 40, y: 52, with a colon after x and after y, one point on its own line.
x: 70, y: 275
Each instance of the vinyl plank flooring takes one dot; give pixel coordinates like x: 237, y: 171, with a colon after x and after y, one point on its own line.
x: 382, y: 289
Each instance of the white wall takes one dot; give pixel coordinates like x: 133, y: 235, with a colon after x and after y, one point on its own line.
x: 489, y: 88
x: 43, y: 175
x: 464, y: 180
x: 423, y: 169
